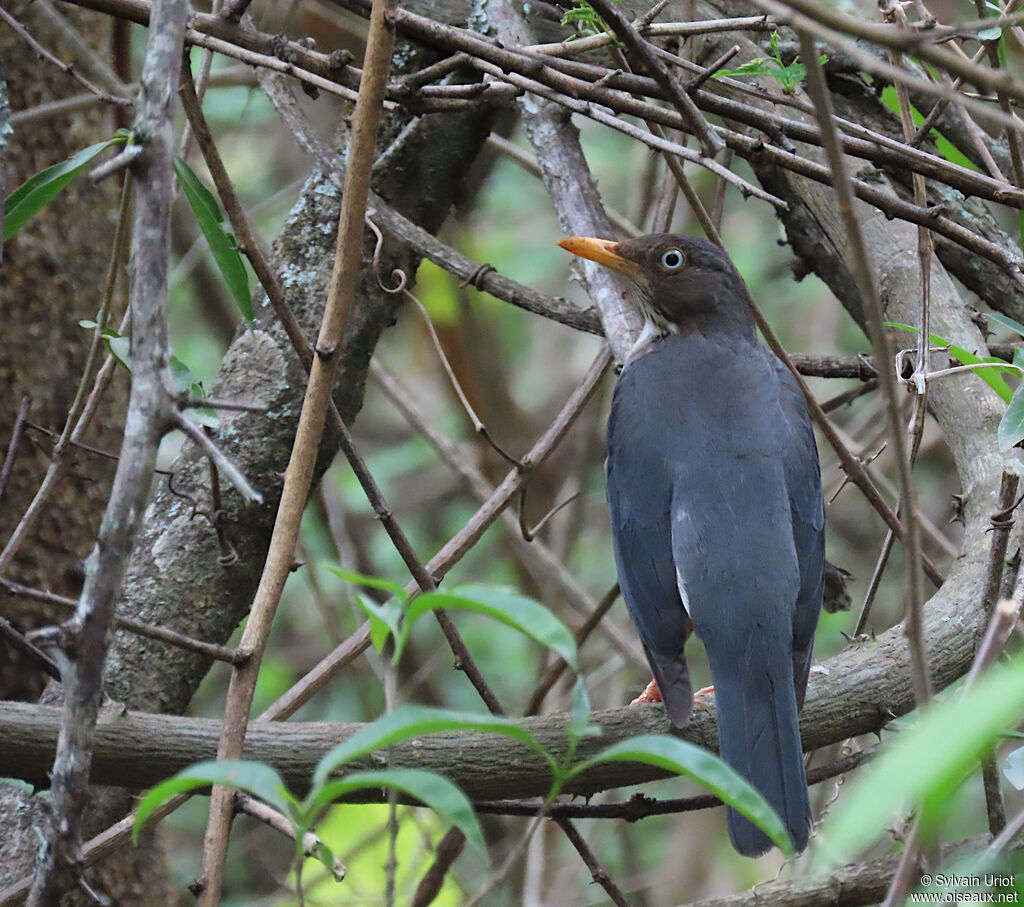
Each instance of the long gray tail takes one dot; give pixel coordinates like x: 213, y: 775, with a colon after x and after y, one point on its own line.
x: 759, y: 736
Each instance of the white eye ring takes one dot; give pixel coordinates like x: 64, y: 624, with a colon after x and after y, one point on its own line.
x: 672, y: 259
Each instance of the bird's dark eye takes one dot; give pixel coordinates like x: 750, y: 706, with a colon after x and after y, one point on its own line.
x: 672, y: 259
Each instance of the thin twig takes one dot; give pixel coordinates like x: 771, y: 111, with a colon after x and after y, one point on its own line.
x: 995, y: 808
x: 83, y: 406
x: 461, y: 542
x: 17, y: 641
x: 710, y: 141
x: 597, y: 872
x: 150, y: 412
x: 556, y: 670
x: 510, y: 860
x: 299, y: 474
x: 12, y: 445
x: 640, y: 806
x: 862, y: 272
x: 218, y: 458
x: 130, y: 625
x: 255, y: 253
x: 312, y: 845
x: 19, y: 29
x: 536, y: 557
x: 1002, y: 525
x: 445, y: 854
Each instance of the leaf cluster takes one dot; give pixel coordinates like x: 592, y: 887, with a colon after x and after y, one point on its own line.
x: 391, y: 623
x: 788, y: 75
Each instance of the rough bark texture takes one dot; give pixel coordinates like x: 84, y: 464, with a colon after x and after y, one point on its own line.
x: 174, y: 577
x: 53, y: 272
x: 52, y: 277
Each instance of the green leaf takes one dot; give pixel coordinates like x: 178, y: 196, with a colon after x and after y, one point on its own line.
x: 1006, y: 322
x: 417, y: 721
x: 120, y: 348
x: 429, y: 788
x: 372, y: 582
x: 579, y: 717
x: 924, y: 764
x: 702, y: 766
x: 91, y: 325
x: 254, y: 778
x: 790, y: 76
x: 990, y: 376
x: 1011, y: 426
x: 505, y: 605
x: 759, y: 66
x: 222, y: 244
x: 37, y: 191
x: 385, y: 620
x: 990, y: 34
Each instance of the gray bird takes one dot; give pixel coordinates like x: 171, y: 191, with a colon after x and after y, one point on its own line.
x: 717, y: 514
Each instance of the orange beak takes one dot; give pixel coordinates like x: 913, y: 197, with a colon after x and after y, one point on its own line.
x: 602, y: 251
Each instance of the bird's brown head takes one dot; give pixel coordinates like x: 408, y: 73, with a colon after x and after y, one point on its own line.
x: 683, y: 282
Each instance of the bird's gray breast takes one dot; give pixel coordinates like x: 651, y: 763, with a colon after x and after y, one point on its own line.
x: 695, y: 452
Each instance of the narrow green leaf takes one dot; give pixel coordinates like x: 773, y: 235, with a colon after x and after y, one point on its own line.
x: 1006, y: 322
x: 254, y: 778
x: 372, y: 582
x: 924, y: 764
x: 183, y: 379
x: 37, y: 191
x: 759, y: 66
x: 1011, y: 426
x: 579, y: 717
x: 385, y: 619
x: 429, y: 788
x: 417, y: 721
x: 120, y: 348
x: 222, y: 244
x: 705, y: 768
x: 507, y: 606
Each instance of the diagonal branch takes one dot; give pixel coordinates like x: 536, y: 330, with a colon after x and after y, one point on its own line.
x: 871, y: 301
x: 710, y: 141
x: 301, y: 465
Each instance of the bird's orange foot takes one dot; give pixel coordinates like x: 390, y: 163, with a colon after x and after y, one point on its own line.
x: 698, y: 702
x: 651, y: 694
